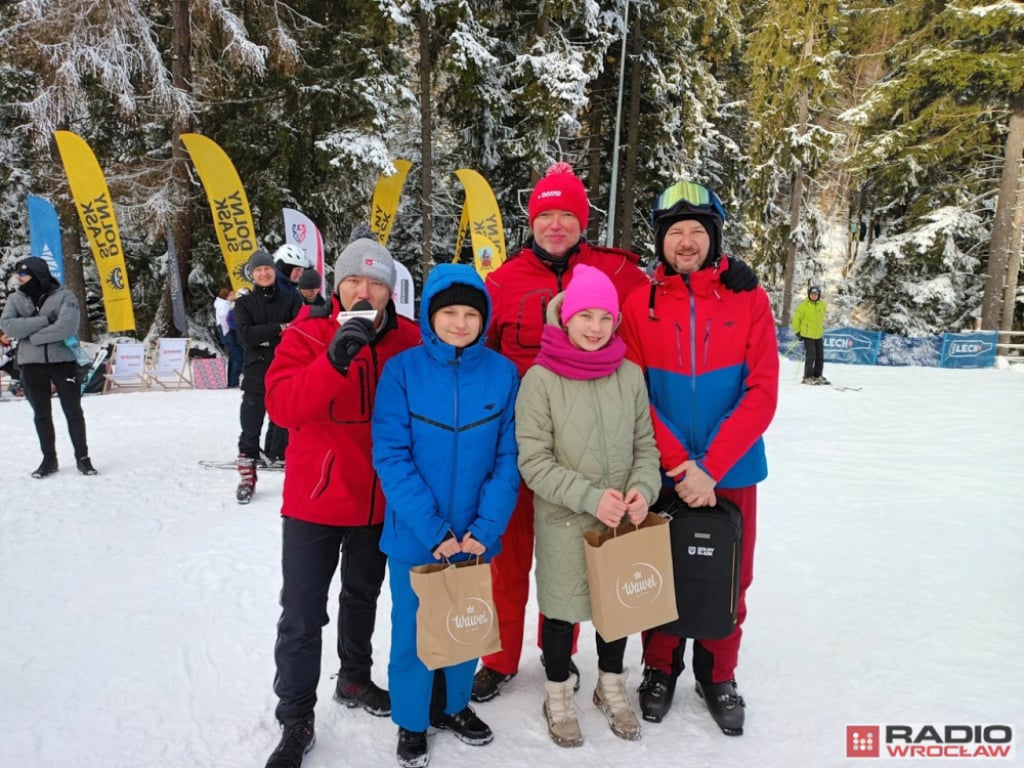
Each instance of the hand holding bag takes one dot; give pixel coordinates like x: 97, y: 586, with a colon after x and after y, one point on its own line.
x: 456, y: 620
x: 629, y: 570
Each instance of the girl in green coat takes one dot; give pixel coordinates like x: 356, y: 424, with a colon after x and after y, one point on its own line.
x: 587, y: 451
x: 809, y: 325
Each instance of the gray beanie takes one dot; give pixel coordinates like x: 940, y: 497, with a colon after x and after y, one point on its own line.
x: 259, y: 258
x: 365, y: 257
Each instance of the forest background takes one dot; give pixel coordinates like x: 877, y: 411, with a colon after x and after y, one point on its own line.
x: 872, y: 146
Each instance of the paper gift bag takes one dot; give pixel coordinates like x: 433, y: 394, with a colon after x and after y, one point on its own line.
x: 629, y: 569
x: 456, y: 620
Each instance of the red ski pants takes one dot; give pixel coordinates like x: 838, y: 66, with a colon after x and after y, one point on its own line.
x: 716, y: 659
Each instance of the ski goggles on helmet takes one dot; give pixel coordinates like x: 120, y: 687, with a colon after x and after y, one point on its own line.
x: 687, y: 197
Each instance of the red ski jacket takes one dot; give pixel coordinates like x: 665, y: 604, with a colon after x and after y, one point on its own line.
x: 712, y: 364
x: 330, y: 478
x: 523, y: 286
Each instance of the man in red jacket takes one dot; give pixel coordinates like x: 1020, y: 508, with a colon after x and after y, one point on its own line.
x: 321, y: 387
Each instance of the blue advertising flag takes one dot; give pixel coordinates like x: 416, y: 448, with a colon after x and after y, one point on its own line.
x: 44, y: 235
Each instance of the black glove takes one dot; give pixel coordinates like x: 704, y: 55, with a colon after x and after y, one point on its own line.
x: 799, y: 337
x: 348, y: 340
x: 738, y: 276
x: 51, y: 316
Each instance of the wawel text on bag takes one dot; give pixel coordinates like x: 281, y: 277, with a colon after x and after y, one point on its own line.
x: 640, y: 584
x: 929, y: 741
x: 470, y: 621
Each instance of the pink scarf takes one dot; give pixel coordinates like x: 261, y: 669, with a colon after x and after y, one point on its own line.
x: 560, y: 356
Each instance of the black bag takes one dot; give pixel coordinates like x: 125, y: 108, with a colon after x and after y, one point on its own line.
x: 706, y: 547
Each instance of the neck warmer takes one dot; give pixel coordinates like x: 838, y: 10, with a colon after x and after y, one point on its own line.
x: 560, y: 356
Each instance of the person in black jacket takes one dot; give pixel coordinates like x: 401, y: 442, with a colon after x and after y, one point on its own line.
x: 261, y: 316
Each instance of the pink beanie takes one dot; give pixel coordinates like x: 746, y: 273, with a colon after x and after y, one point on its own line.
x: 560, y: 189
x: 589, y: 287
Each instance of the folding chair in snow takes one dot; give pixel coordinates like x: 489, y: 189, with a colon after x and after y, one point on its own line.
x: 170, y: 368
x: 126, y: 369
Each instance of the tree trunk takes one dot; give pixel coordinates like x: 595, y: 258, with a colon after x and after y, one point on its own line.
x: 1013, y: 262
x: 628, y: 200
x: 1002, y: 224
x: 795, y: 204
x: 181, y: 74
x: 426, y: 136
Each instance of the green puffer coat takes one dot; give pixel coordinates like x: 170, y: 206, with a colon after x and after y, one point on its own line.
x: 576, y: 439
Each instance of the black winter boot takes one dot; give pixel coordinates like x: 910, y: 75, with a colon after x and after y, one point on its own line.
x: 48, y: 467
x: 412, y: 749
x: 486, y: 682
x: 367, y: 695
x: 725, y: 705
x: 247, y: 484
x: 656, y: 691
x: 85, y: 466
x: 296, y: 740
x: 467, y: 727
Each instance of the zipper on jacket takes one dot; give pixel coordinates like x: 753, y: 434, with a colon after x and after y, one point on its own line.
x: 455, y: 435
x: 707, y: 340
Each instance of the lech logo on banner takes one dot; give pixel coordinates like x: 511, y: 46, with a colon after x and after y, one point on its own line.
x: 969, y: 350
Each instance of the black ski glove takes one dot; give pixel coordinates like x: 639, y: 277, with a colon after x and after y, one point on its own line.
x: 348, y: 340
x: 738, y: 276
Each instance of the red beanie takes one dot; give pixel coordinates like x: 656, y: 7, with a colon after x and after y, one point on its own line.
x: 560, y: 189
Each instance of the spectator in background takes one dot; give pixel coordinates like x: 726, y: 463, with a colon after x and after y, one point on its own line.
x: 309, y: 285
x: 261, y: 318
x: 42, y: 315
x: 224, y: 312
x: 809, y: 325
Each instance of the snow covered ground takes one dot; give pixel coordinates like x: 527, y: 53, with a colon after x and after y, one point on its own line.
x: 139, y: 606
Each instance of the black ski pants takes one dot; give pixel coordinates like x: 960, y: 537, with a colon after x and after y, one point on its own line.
x: 814, y: 357
x: 309, y: 558
x: 251, y: 415
x: 36, y: 378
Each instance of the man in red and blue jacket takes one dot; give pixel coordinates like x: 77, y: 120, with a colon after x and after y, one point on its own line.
x: 712, y: 365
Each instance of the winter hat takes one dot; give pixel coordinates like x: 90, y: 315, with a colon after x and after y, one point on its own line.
x: 560, y: 189
x: 459, y: 293
x: 813, y: 289
x: 260, y: 258
x: 39, y: 281
x: 711, y: 226
x: 309, y: 279
x: 589, y: 287
x: 365, y: 257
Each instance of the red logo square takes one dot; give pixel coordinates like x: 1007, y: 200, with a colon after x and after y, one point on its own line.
x: 862, y: 740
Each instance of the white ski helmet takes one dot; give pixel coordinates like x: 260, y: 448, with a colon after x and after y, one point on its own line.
x: 289, y: 256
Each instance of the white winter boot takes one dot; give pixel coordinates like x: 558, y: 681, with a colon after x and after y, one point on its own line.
x: 560, y: 712
x: 610, y: 697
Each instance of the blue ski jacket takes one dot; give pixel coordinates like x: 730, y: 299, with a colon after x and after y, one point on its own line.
x: 444, y: 441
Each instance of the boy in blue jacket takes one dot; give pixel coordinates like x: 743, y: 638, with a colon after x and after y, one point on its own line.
x: 444, y: 447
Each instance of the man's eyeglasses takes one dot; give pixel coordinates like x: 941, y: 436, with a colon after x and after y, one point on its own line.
x: 696, y: 199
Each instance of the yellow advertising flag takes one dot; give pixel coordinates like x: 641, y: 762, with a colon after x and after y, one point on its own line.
x: 232, y: 217
x: 96, y: 211
x: 385, y: 200
x: 486, y: 232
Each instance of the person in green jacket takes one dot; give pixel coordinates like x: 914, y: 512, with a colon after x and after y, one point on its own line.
x: 809, y: 326
x: 587, y: 451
